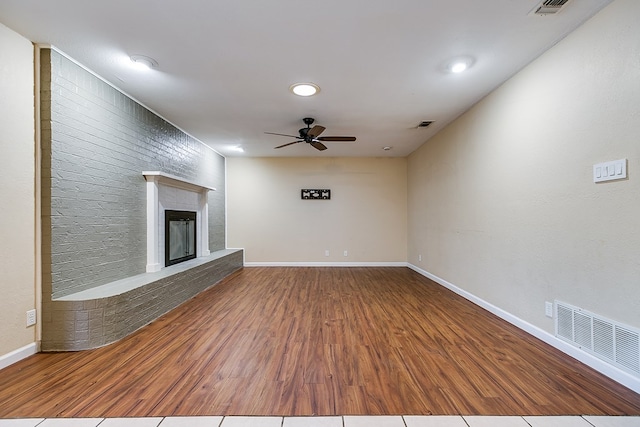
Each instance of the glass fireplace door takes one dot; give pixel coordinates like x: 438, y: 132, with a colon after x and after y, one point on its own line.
x: 180, y: 236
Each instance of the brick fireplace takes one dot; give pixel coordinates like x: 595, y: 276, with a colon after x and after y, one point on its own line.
x: 103, y: 273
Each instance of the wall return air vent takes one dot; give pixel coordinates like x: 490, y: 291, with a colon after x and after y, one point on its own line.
x: 549, y: 7
x: 613, y: 342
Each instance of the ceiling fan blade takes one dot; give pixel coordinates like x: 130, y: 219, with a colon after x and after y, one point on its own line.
x: 282, y: 134
x: 315, y: 131
x: 284, y: 145
x: 318, y: 145
x: 336, y: 138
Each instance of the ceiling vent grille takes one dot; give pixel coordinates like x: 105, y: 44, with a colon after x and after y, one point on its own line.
x: 606, y: 339
x: 550, y: 7
x: 425, y: 124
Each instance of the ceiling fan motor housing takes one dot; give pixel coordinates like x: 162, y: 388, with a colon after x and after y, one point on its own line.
x: 311, y: 135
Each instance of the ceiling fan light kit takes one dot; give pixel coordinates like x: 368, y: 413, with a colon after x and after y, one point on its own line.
x: 311, y: 135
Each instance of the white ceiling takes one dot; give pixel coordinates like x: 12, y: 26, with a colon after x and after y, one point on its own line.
x: 225, y: 66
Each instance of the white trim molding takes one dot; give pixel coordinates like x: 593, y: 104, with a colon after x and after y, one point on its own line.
x: 18, y: 355
x: 599, y: 365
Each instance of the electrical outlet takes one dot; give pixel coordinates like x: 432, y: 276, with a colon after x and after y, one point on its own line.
x: 346, y: 253
x: 548, y: 309
x: 326, y: 252
x: 31, y: 317
x: 419, y: 257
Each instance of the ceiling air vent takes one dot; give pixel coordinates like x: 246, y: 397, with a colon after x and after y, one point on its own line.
x: 549, y: 7
x: 425, y: 124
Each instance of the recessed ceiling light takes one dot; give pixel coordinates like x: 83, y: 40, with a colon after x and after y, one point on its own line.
x: 387, y: 148
x: 304, y: 89
x: 459, y: 64
x: 143, y: 62
x: 459, y: 67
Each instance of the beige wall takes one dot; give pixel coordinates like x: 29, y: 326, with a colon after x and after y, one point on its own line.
x: 502, y: 202
x: 17, y: 191
x: 366, y: 215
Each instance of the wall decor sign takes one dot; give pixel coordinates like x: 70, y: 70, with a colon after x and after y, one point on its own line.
x: 315, y: 194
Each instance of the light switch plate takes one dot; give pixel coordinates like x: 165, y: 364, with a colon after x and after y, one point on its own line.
x: 610, y: 171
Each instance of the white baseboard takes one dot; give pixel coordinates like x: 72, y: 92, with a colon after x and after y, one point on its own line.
x: 17, y: 355
x: 601, y: 366
x: 325, y: 264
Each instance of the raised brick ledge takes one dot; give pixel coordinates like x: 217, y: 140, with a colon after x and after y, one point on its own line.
x: 105, y: 314
x: 130, y: 283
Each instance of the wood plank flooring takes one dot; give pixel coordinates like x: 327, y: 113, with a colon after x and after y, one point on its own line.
x: 315, y: 341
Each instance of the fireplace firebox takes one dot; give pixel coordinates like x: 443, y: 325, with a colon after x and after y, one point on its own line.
x: 179, y: 236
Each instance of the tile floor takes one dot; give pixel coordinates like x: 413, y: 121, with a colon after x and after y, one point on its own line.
x: 345, y: 421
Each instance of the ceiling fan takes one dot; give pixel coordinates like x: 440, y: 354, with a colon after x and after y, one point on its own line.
x: 311, y: 135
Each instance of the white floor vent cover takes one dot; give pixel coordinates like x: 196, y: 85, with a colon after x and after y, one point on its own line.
x: 611, y: 341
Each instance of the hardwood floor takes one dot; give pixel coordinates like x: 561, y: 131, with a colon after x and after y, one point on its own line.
x: 323, y: 341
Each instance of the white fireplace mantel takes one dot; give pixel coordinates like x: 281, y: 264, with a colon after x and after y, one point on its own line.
x: 155, y: 179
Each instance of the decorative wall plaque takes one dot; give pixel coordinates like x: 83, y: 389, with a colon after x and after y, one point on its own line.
x: 315, y: 194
